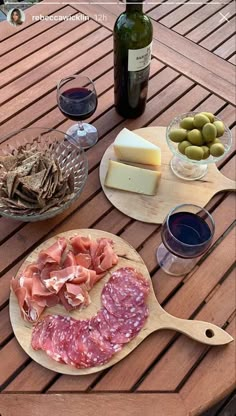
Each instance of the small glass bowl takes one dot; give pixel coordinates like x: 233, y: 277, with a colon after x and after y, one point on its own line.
x: 189, y: 169
x: 52, y: 142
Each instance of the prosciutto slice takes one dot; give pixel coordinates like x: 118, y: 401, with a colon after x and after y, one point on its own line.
x: 53, y: 254
x: 30, y: 308
x: 64, y: 273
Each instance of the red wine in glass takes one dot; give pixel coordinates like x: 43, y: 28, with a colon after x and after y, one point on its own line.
x: 73, y: 105
x: 77, y: 100
x: 187, y: 233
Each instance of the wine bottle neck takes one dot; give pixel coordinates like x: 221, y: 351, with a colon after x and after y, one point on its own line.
x: 135, y: 7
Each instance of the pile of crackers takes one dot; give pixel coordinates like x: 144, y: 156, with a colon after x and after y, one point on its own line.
x: 32, y: 182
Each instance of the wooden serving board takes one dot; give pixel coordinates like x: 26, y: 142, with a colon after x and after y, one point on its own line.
x: 172, y: 190
x: 158, y: 318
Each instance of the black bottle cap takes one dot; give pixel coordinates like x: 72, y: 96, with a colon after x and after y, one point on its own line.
x: 134, y: 1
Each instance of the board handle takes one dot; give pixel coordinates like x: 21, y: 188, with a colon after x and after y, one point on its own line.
x: 201, y: 331
x: 226, y: 184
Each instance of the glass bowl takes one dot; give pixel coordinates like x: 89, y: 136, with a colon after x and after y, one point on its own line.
x: 57, y: 145
x: 186, y: 168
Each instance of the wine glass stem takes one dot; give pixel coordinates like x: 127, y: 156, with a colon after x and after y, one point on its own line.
x: 81, y: 126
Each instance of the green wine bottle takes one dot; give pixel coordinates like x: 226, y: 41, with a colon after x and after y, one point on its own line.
x: 132, y: 57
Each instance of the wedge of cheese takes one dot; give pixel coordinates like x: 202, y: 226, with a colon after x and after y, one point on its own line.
x: 130, y: 147
x: 132, y: 179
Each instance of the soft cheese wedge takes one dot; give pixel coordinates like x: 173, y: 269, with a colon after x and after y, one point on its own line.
x: 130, y: 147
x: 132, y: 179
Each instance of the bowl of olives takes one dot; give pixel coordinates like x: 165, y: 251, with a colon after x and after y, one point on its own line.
x: 197, y: 139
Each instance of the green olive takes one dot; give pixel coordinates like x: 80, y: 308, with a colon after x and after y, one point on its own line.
x: 182, y: 146
x: 206, y: 152
x: 209, y: 132
x: 220, y: 128
x: 194, y: 152
x: 178, y: 135
x: 195, y: 137
x: 187, y: 123
x: 200, y: 120
x: 217, y: 150
x: 216, y: 140
x: 210, y: 116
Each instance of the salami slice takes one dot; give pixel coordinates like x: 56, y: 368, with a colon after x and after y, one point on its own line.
x: 43, y: 334
x: 89, y: 348
x: 62, y: 337
x: 121, y: 330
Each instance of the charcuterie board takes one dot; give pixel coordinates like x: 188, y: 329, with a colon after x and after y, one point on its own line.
x: 171, y: 191
x: 158, y: 318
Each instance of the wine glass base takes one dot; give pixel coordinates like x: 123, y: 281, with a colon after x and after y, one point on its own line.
x: 173, y: 265
x: 187, y: 170
x: 86, y: 138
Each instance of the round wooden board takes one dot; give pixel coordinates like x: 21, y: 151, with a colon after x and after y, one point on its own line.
x: 172, y: 190
x: 128, y: 256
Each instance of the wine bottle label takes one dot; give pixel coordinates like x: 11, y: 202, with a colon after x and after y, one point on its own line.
x: 139, y: 59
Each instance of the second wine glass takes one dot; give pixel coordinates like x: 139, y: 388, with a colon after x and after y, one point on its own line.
x: 77, y: 100
x: 187, y: 233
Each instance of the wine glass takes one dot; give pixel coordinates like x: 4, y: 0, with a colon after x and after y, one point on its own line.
x: 77, y: 100
x: 189, y: 169
x: 186, y: 234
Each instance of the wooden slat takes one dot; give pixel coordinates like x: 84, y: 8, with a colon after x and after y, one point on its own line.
x: 180, y: 13
x: 163, y: 9
x: 195, y: 72
x: 12, y: 357
x: 211, y: 24
x: 5, y: 325
x: 126, y: 373
x: 196, y: 19
x: 193, y: 52
x: 192, y: 97
x: 54, y: 118
x: 23, y: 381
x: 47, y: 53
x: 207, y: 375
x: 49, y: 83
x: 182, y: 55
x: 232, y: 60
x: 30, y: 47
x: 70, y: 383
x: 88, y: 405
x: 59, y: 51
x: 219, y: 35
x: 48, y: 102
x: 8, y: 30
x: 181, y: 357
x: 227, y: 48
x: 5, y: 284
x: 7, y: 227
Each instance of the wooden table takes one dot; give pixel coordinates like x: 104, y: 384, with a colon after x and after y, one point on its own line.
x: 192, y: 69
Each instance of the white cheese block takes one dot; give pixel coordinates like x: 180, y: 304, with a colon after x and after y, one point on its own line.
x: 132, y: 179
x: 130, y: 147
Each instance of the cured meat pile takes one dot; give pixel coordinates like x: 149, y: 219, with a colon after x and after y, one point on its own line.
x: 63, y: 273
x: 92, y: 342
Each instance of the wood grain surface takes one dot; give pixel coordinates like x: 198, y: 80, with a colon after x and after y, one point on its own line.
x: 193, y: 69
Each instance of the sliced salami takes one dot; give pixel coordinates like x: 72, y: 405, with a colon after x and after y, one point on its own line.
x: 62, y: 338
x: 89, y: 348
x: 93, y: 342
x: 121, y: 330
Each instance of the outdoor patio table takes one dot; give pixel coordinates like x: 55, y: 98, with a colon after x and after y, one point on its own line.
x: 192, y: 69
